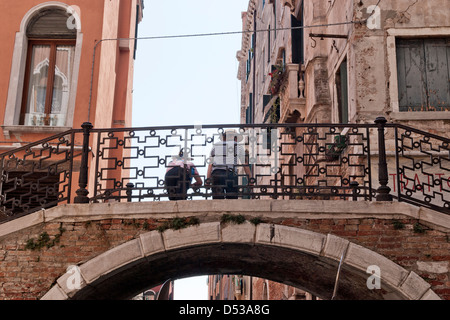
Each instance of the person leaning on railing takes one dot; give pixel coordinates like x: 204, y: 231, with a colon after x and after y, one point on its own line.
x: 222, y: 173
x: 179, y: 174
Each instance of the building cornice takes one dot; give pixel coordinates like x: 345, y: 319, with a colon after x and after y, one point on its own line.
x: 247, y: 30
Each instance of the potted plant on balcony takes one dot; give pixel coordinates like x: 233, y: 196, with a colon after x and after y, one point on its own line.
x: 335, y: 149
x: 277, y: 77
x: 274, y: 115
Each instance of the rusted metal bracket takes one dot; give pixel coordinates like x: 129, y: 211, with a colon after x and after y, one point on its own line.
x: 323, y: 36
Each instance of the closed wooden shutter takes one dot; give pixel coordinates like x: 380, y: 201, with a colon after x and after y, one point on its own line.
x: 49, y: 24
x: 423, y: 74
x: 437, y: 58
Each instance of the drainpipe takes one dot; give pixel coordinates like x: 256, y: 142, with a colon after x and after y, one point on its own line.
x: 336, y: 282
x: 302, y: 40
x: 254, y: 67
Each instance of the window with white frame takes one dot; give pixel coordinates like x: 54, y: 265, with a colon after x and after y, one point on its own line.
x: 44, y: 69
x: 47, y: 84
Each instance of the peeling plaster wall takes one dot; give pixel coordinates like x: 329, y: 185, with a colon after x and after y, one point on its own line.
x: 367, y: 53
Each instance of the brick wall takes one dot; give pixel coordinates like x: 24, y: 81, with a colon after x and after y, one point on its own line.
x: 404, y: 241
x: 27, y: 273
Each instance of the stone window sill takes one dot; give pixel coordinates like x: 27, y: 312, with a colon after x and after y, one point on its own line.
x: 7, y: 130
x: 420, y: 116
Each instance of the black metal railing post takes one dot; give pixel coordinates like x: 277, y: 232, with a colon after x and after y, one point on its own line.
x: 354, y: 185
x: 383, y: 191
x: 129, y: 191
x: 82, y: 192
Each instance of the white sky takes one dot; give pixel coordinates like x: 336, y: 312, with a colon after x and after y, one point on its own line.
x: 188, y: 81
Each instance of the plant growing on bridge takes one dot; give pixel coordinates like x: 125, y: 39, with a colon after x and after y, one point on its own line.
x: 398, y: 225
x: 44, y: 240
x: 178, y: 223
x: 137, y: 224
x: 418, y: 228
x: 256, y: 221
x: 238, y: 219
x: 134, y: 223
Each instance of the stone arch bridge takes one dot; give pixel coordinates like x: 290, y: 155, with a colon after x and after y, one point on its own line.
x: 117, y: 250
x: 105, y: 238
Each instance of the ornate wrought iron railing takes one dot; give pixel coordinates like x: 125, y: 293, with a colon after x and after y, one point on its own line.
x: 421, y: 174
x: 38, y: 175
x: 285, y: 161
x: 377, y: 161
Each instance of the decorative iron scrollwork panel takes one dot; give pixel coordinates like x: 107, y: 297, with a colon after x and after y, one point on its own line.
x: 37, y: 176
x: 265, y: 161
x: 423, y: 168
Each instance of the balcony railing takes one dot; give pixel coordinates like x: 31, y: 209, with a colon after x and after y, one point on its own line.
x: 355, y: 162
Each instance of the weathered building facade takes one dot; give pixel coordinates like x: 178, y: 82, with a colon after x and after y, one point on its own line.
x: 64, y: 63
x: 349, y: 62
x: 239, y: 287
x: 354, y: 61
x: 41, y: 34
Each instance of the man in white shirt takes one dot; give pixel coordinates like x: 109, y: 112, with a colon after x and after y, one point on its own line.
x: 226, y: 157
x: 178, y: 177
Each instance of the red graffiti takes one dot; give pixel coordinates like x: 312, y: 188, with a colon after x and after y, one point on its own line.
x: 431, y: 182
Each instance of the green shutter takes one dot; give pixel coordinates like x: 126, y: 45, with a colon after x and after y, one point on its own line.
x: 423, y: 67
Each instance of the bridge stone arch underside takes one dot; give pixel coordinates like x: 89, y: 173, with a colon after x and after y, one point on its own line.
x: 270, y: 249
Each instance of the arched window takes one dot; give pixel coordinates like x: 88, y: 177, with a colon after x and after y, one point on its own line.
x: 45, y: 67
x: 51, y: 50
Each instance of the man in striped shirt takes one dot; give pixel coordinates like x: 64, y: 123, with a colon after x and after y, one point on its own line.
x: 226, y: 157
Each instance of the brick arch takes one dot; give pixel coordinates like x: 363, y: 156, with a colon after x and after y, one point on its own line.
x: 295, y: 256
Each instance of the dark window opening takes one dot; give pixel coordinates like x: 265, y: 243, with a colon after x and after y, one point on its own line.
x: 342, y: 92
